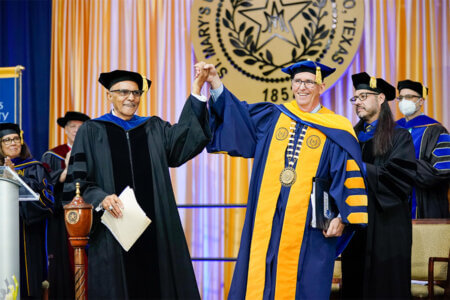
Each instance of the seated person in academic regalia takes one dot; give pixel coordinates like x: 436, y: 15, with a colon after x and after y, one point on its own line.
x: 431, y: 142
x: 121, y: 149
x: 15, y: 154
x: 60, y: 252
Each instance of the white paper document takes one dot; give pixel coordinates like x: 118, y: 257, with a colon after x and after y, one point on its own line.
x: 131, y: 225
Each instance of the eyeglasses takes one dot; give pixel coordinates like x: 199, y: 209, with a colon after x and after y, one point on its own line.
x: 407, y: 97
x: 126, y: 93
x: 73, y: 126
x: 361, y: 97
x: 309, y: 84
x: 8, y: 141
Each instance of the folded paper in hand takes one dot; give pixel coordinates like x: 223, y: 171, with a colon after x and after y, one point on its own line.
x: 323, y: 207
x: 131, y: 225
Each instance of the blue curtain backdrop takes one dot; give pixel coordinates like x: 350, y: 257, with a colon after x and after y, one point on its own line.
x: 25, y: 39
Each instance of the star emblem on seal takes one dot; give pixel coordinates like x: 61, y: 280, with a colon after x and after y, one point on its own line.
x: 274, y: 20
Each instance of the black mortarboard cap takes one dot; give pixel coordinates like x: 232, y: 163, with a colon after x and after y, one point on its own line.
x: 110, y: 78
x: 363, y: 81
x: 320, y: 70
x: 72, y: 116
x: 413, y: 85
x: 9, y: 128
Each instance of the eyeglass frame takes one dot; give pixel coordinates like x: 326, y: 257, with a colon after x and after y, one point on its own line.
x: 136, y: 93
x: 410, y: 96
x: 8, y: 141
x: 354, y: 98
x: 309, y: 84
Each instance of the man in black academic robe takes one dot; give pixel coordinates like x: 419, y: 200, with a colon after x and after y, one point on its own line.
x: 377, y: 261
x: 432, y: 145
x: 121, y: 149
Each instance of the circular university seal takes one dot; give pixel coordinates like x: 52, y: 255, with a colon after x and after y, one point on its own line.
x: 282, y: 133
x: 313, y: 141
x: 72, y: 216
x: 250, y: 41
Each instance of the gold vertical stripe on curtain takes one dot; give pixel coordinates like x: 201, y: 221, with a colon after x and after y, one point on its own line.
x: 422, y: 51
x: 402, y: 39
x: 237, y: 180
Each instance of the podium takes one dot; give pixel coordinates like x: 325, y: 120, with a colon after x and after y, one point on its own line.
x: 12, y: 190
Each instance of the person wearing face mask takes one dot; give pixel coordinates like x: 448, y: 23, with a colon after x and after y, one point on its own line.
x: 60, y: 252
x: 377, y: 261
x: 14, y: 153
x: 431, y: 143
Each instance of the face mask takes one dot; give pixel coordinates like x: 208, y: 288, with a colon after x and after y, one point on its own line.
x: 407, y: 107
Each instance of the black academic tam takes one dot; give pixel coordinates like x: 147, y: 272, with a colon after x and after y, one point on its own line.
x: 105, y: 159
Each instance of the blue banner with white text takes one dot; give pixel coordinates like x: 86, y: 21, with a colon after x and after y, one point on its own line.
x: 9, y: 105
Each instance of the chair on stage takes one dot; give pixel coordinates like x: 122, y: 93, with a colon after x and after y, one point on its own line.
x: 430, y: 259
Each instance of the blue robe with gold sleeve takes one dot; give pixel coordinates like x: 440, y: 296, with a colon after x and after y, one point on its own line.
x: 280, y: 253
x: 432, y: 147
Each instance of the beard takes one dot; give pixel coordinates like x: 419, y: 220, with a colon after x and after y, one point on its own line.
x: 364, y: 114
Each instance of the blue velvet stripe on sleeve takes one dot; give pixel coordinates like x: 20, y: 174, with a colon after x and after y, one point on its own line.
x: 442, y: 152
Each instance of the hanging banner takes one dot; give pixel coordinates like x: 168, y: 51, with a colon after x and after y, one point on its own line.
x: 250, y: 41
x: 11, y: 95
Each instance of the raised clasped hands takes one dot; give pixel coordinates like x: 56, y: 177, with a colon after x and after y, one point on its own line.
x: 203, y: 69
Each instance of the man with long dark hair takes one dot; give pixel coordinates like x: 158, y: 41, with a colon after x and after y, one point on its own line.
x: 377, y: 261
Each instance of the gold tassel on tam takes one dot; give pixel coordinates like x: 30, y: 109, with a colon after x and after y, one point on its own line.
x: 21, y: 137
x: 318, y: 75
x: 373, y: 82
x: 144, y: 84
x: 424, y: 92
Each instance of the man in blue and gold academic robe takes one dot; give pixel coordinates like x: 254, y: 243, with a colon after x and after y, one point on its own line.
x: 283, y: 253
x: 432, y: 147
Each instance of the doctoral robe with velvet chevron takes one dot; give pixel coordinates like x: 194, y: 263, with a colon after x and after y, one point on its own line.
x: 60, y: 252
x: 432, y: 145
x: 377, y: 262
x: 33, y: 219
x: 110, y: 154
x: 281, y: 255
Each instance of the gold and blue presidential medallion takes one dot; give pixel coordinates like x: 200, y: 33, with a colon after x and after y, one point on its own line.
x: 288, y: 176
